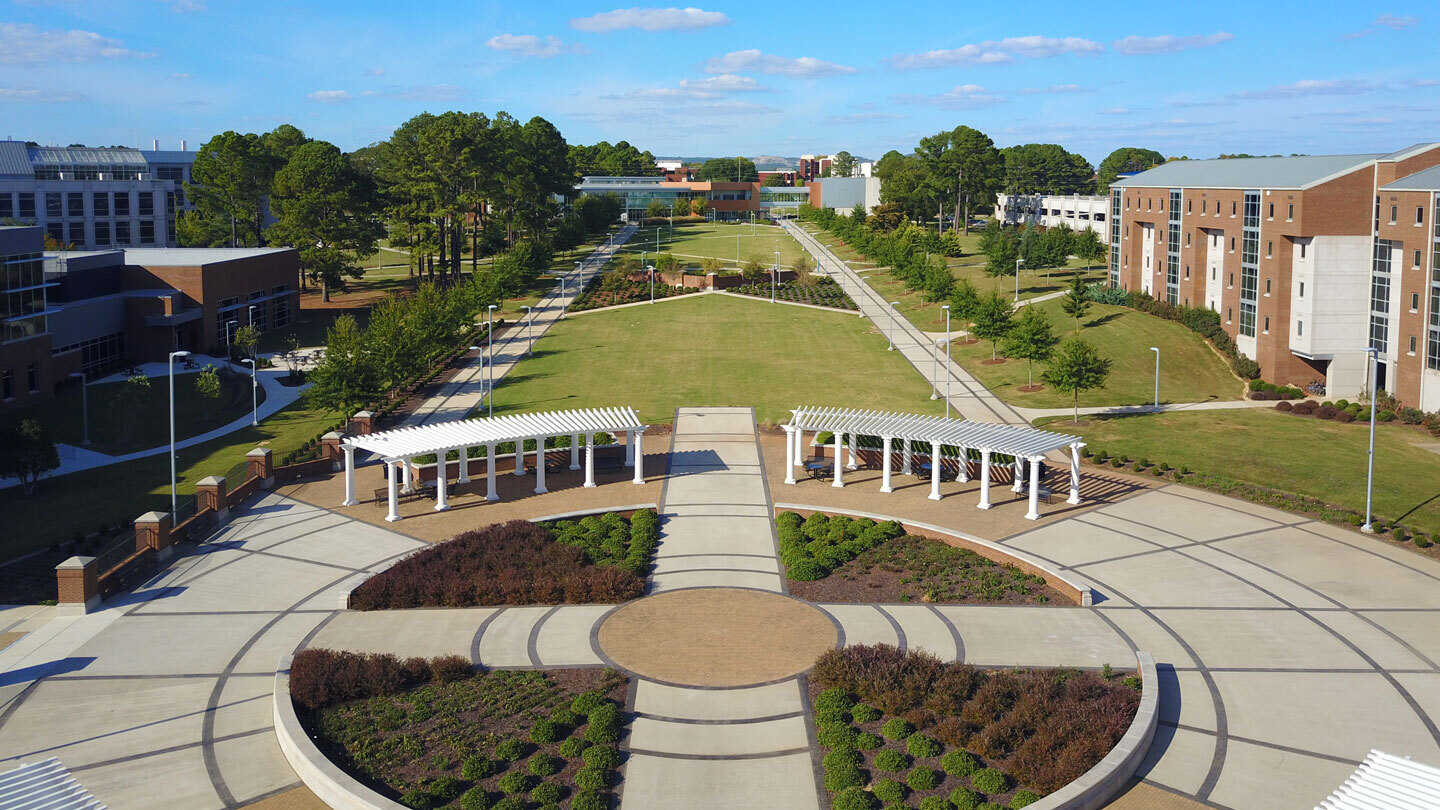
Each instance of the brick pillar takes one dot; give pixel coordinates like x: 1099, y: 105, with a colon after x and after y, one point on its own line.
x: 210, y: 494
x: 363, y: 423
x: 78, y: 582
x: 261, y: 466
x: 152, y: 531
x: 330, y: 449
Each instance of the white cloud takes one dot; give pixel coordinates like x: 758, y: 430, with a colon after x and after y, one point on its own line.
x: 529, y: 45
x: 1384, y: 22
x: 650, y: 19
x: 1312, y: 87
x: 1168, y: 43
x: 1056, y: 89
x: 962, y: 96
x: 994, y: 52
x: 31, y: 95
x: 754, y: 61
x: 329, y: 96
x: 180, y: 76
x: 24, y: 44
x: 709, y: 87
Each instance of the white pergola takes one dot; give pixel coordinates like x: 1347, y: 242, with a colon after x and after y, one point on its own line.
x: 397, y: 447
x: 1019, y: 442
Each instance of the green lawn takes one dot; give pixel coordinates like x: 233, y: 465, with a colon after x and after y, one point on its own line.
x: 310, y: 328
x: 1189, y: 370
x: 690, y: 243
x: 713, y: 350
x: 119, y: 493
x: 149, y: 421
x: 1306, y: 456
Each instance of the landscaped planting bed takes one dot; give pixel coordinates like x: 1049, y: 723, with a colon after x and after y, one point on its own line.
x: 437, y: 733
x: 820, y: 292
x: 594, y: 297
x: 594, y: 560
x: 842, y: 559
x: 902, y: 729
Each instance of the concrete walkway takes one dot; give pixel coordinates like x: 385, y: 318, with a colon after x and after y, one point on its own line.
x: 467, y: 390
x: 1165, y: 407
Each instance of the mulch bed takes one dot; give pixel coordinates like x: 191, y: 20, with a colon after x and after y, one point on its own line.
x: 918, y: 569
x: 1030, y: 389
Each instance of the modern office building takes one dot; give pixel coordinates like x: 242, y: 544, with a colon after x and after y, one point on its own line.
x: 731, y: 201
x: 95, y: 198
x: 1309, y: 261
x: 1078, y: 211
x: 842, y: 194
x: 93, y: 311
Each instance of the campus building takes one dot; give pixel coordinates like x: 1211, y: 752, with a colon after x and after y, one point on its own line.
x: 93, y: 311
x: 735, y: 201
x: 814, y: 167
x: 1078, y: 211
x: 1308, y: 260
x: 92, y: 199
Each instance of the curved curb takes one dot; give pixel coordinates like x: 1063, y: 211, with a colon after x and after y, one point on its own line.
x: 986, y: 548
x: 633, y: 507
x: 1097, y: 786
x: 333, y: 786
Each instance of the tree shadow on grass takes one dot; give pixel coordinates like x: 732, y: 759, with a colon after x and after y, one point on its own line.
x: 1104, y: 319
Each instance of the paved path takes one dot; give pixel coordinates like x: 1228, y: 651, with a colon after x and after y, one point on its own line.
x: 1166, y: 407
x: 466, y: 391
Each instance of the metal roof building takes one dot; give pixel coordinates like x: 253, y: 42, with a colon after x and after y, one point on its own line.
x: 44, y: 785
x: 1298, y: 172
x: 1387, y: 782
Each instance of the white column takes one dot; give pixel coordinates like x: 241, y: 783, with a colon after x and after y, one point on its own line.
x: 984, y: 480
x: 574, y: 451
x: 964, y: 474
x: 490, y: 494
x: 589, y: 459
x: 405, y: 470
x: 789, y: 455
x: 442, y: 498
x: 349, y: 476
x: 1034, y: 513
x: 798, y: 437
x: 854, y: 459
x: 1074, y: 474
x: 464, y: 466
x: 639, y: 458
x: 1019, y: 474
x: 540, y: 465
x: 394, y: 476
x: 905, y: 467
x: 629, y: 448
x: 885, y: 464
x: 934, y: 471
x: 519, y: 456
x: 837, y: 441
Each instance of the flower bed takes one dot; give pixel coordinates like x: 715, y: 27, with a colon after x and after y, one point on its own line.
x: 593, y: 297
x: 437, y: 733
x: 597, y: 559
x: 906, y: 730
x: 841, y: 559
x: 820, y: 292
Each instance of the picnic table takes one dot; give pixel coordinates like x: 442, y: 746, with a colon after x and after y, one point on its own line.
x: 819, y: 469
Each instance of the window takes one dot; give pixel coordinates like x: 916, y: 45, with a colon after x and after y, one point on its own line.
x: 75, y: 233
x: 1290, y: 212
x: 1229, y: 315
x: 1203, y: 205
x: 1232, y: 244
x: 147, y: 204
x: 1302, y: 289
x: 101, y: 203
x: 1187, y: 239
x: 32, y: 377
x: 102, y: 233
x: 147, y: 231
x: 7, y: 205
x: 1213, y: 271
x: 1267, y: 286
x: 1302, y: 251
x: 75, y: 204
x: 1267, y: 324
x: 1187, y: 272
x: 1232, y: 208
x: 7, y: 385
x: 1394, y: 211
x: 1270, y: 214
x: 27, y: 205
x: 52, y: 205
x: 1189, y: 206
x: 1414, y: 302
x: 122, y: 203
x: 122, y: 232
x: 1299, y: 329
x: 56, y: 230
x: 1412, y: 345
x: 1269, y: 248
x: 1416, y: 263
x: 1231, y: 283
x: 1419, y: 218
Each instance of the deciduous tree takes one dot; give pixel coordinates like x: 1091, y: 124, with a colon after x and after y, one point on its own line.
x: 1076, y: 303
x: 328, y: 211
x: 1031, y: 338
x: 26, y: 453
x: 1076, y: 368
x: 993, y: 318
x: 1125, y: 159
x: 965, y: 161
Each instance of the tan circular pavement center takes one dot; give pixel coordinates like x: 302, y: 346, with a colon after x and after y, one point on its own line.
x: 717, y: 637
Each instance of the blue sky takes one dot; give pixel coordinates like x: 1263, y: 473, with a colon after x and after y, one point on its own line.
x: 749, y: 78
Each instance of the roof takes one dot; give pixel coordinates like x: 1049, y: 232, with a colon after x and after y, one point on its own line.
x: 167, y: 155
x: 1246, y: 173
x: 1011, y: 440
x: 1428, y: 180
x: 193, y: 257
x: 15, y: 160
x: 85, y: 156
x: 45, y: 785
x: 1384, y: 781
x: 1409, y: 151
x: 445, y: 436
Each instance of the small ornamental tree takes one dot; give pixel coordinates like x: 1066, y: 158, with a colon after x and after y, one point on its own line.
x: 246, y: 339
x: 26, y: 453
x: 993, y: 319
x: 964, y: 301
x: 698, y: 207
x: 1001, y: 255
x: 129, y: 402
x: 1075, y: 368
x: 803, y: 268
x: 681, y: 208
x: 753, y: 269
x: 1076, y: 303
x: 1032, y: 339
x: 207, y: 385
x: 656, y: 209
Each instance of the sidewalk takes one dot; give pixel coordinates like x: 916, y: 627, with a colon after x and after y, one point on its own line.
x: 1165, y: 407
x: 467, y: 390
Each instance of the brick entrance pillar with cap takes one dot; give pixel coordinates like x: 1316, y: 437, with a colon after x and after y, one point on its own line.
x: 78, y: 581
x: 363, y: 422
x: 210, y: 494
x: 261, y: 466
x: 330, y: 449
x: 152, y: 531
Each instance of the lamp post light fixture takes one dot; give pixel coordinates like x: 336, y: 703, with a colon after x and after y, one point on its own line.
x: 1369, y: 526
x: 254, y: 399
x: 174, y: 501
x: 891, y: 336
x: 948, y: 375
x: 251, y: 314
x: 1018, y: 262
x: 529, y: 322
x: 84, y: 407
x: 490, y: 342
x: 1156, y: 350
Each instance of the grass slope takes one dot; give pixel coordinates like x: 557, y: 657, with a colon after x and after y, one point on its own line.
x: 713, y: 350
x: 690, y: 243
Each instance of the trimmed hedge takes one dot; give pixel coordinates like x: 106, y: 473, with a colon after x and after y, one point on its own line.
x: 813, y: 547
x: 321, y: 677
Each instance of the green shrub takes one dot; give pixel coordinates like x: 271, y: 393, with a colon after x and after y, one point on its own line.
x: 418, y: 799
x: 921, y: 746
x: 854, y: 799
x: 477, y: 768
x: 922, y: 778
x: 959, y: 763
x: 542, y: 764
x: 604, y: 724
x: 864, y: 713
x: 891, y: 760
x: 564, y: 717
x: 544, y: 732
x: 835, y: 735
x: 1023, y: 798
x: 510, y: 803
x: 1400, y: 534
x: 546, y: 793
x: 573, y: 747
x: 475, y: 799
x: 990, y: 780
x: 843, y: 775
x: 513, y: 783
x: 591, y: 778
x: 964, y: 798
x: 510, y: 750
x: 1142, y: 464
x: 589, y: 800
x: 935, y: 803
x: 586, y: 702
x: 604, y: 757
x: 832, y: 716
x: 1385, y: 416
x: 840, y: 756
x: 833, y: 700
x: 897, y: 729
x: 888, y: 790
x: 865, y: 741
x: 1421, y: 541
x: 1116, y: 463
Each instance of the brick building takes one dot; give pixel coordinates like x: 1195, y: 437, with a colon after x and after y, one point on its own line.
x: 1308, y: 260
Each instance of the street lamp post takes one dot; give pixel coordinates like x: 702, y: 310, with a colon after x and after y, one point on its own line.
x: 652, y: 284
x: 84, y: 407
x: 529, y: 336
x: 1018, y: 262
x: 1369, y: 525
x: 1156, y: 350
x: 775, y: 276
x: 948, y: 375
x: 891, y: 336
x: 174, y: 501
x: 254, y: 398
x: 251, y: 315
x: 490, y: 342
x: 935, y: 370
x: 563, y: 304
x: 229, y: 340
